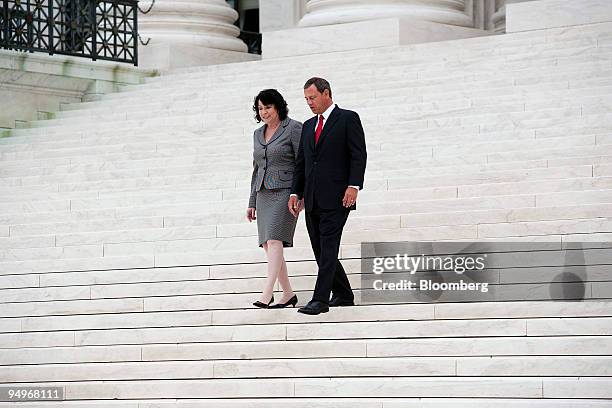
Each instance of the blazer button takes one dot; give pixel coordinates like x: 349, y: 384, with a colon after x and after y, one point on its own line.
x: 315, y: 162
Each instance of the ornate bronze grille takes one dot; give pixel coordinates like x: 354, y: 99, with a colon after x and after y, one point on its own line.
x: 96, y: 29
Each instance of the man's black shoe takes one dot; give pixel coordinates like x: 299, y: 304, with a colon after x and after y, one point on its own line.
x: 336, y: 301
x: 314, y: 308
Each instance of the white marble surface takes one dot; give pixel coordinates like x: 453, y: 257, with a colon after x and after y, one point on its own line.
x: 188, y: 33
x: 277, y: 15
x: 359, y: 35
x: 33, y: 83
x: 542, y: 14
x: 329, y: 12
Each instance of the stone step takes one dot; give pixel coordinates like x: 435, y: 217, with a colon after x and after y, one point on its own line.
x: 376, y: 140
x: 389, y: 59
x: 224, y: 102
x: 382, y: 152
x: 298, y: 269
x: 214, y: 101
x: 426, y: 156
x: 496, y: 76
x: 196, y: 228
x: 38, y: 133
x: 211, y: 119
x: 376, y: 143
x: 414, y: 387
x: 502, y: 269
x: 427, y: 53
x: 309, y: 330
x: 372, y: 188
x: 219, y: 118
x: 510, y: 195
x: 417, y: 166
x: 9, y: 173
x: 298, y: 402
x: 457, y: 347
x: 395, y: 67
x: 320, y: 367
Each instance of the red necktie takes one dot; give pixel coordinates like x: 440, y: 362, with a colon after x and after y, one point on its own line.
x: 319, y: 129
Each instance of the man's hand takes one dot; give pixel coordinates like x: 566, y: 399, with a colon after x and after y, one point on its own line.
x: 250, y: 214
x: 350, y: 197
x: 295, y: 205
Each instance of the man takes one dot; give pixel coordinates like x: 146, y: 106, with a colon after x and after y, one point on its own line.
x: 328, y: 174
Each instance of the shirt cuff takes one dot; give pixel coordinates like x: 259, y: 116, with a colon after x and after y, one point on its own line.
x: 355, y: 187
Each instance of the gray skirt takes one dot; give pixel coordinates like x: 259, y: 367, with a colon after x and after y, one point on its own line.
x: 274, y: 221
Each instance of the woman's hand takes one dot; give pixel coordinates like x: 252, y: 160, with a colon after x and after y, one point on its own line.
x: 250, y: 214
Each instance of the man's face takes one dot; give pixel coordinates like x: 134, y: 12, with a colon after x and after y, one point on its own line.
x: 317, y: 102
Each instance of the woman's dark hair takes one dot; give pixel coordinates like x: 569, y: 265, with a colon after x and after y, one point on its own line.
x: 271, y: 97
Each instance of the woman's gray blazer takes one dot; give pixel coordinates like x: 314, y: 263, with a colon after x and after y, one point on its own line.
x: 274, y: 162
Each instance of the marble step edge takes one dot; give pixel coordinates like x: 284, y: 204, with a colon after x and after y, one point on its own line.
x: 396, y: 71
x: 375, y: 142
x: 349, y: 97
x: 482, y: 347
x: 389, y: 182
x: 541, y: 388
x: 449, y: 196
x: 221, y: 117
x: 460, y: 367
x: 507, y: 211
x: 464, y: 86
x: 405, y: 220
x: 399, y: 55
x: 238, y: 293
x: 585, y: 84
x: 8, y: 172
x: 304, y: 402
x: 244, y: 314
x: 574, y: 120
x: 219, y: 104
x: 348, y: 250
x: 358, y: 105
x: 521, y: 77
x: 590, y: 136
x: 506, y: 121
x: 311, y: 329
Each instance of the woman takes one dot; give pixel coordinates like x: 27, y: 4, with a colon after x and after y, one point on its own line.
x: 275, y: 149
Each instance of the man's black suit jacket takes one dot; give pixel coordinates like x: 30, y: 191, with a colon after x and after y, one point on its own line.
x: 323, y: 172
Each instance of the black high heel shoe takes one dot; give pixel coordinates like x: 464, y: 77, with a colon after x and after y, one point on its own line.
x: 263, y: 305
x: 293, y: 301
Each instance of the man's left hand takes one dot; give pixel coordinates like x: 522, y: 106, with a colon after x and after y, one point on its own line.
x: 350, y: 197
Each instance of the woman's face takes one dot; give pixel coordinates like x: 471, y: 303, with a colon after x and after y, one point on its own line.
x: 267, y: 113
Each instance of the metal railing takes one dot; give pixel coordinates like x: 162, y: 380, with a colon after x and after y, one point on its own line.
x: 96, y: 29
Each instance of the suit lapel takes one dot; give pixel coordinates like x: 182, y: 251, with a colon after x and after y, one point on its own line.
x: 281, y: 129
x: 260, y: 135
x: 329, y: 124
x: 311, y: 133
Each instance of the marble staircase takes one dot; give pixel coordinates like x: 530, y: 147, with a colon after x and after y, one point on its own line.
x: 127, y: 268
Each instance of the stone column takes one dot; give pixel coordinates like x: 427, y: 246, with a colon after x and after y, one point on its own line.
x: 498, y: 18
x: 280, y: 14
x: 189, y: 32
x: 328, y: 12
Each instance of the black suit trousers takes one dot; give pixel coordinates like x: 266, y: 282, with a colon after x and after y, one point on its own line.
x: 325, y: 231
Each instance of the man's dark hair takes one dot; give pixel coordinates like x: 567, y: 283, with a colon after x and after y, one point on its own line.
x: 319, y: 83
x: 271, y: 97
